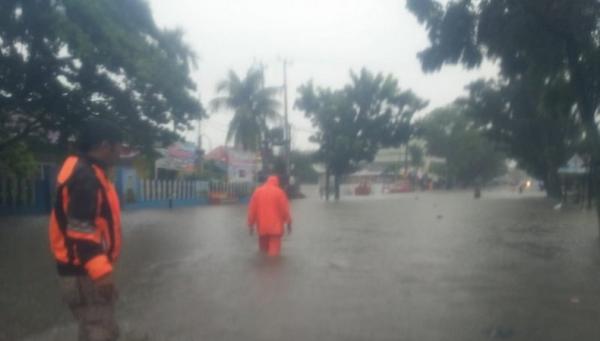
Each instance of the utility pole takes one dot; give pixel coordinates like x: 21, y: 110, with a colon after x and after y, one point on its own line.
x: 287, y: 132
x: 199, y: 151
x: 264, y: 139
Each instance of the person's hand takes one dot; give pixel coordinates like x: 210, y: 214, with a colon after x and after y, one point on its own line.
x: 289, y: 229
x: 106, y: 288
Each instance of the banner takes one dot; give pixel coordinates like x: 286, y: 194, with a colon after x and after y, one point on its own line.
x: 179, y: 157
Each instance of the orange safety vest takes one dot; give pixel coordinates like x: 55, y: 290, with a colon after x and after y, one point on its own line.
x: 105, y: 237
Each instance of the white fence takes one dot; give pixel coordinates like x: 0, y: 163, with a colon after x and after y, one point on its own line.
x: 160, y: 190
x: 151, y: 190
x: 234, y: 189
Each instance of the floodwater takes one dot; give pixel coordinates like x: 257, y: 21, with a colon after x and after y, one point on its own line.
x: 420, y: 266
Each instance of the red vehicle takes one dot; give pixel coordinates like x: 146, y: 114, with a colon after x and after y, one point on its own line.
x: 398, y: 187
x: 364, y: 188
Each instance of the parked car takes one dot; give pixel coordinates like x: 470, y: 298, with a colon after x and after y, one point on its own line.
x: 364, y: 188
x: 398, y: 187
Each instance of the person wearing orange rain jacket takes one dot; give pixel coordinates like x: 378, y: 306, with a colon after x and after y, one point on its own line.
x: 269, y: 211
x: 85, y: 231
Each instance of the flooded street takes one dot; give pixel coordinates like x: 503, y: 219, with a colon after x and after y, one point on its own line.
x: 424, y: 266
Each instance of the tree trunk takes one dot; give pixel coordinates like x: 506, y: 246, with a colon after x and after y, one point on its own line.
x: 327, y: 173
x: 595, y: 185
x: 337, y: 187
x: 587, y: 110
x: 406, y: 158
x: 552, y: 184
x: 598, y: 211
x: 593, y: 140
x: 590, y: 188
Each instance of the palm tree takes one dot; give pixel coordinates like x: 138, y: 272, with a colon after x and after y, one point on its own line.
x: 253, y: 105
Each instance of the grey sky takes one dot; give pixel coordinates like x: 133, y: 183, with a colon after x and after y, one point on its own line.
x: 324, y: 39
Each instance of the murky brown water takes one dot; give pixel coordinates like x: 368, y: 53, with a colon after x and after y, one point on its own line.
x: 407, y: 267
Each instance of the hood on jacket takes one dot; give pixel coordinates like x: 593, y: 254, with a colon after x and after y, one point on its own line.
x: 272, y: 180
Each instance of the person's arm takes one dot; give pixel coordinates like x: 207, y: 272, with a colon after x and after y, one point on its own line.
x: 251, y: 219
x: 284, y: 205
x: 83, y: 206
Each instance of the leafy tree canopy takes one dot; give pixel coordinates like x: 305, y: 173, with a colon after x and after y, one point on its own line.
x: 63, y: 61
x: 469, y: 156
x: 549, y: 38
x: 253, y: 106
x: 355, y: 121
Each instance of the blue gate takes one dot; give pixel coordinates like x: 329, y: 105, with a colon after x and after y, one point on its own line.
x: 24, y: 196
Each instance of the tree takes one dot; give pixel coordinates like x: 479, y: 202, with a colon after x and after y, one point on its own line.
x: 211, y: 171
x: 253, y: 104
x: 470, y: 158
x: 303, y: 167
x: 17, y: 160
x: 64, y: 61
x: 551, y: 37
x: 355, y: 121
x: 417, y: 155
x: 527, y: 120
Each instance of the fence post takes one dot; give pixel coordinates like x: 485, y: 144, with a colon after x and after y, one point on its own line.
x: 31, y: 192
x: 152, y: 188
x: 161, y: 189
x: 14, y: 192
x: 3, y: 192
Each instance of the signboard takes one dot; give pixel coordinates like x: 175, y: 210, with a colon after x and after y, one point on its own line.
x: 241, y: 166
x: 179, y: 157
x: 575, y: 166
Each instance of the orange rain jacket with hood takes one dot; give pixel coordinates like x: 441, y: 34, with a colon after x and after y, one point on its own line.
x: 269, y: 209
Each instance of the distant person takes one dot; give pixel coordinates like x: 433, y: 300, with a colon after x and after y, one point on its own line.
x: 85, y: 231
x: 477, y: 189
x: 269, y: 211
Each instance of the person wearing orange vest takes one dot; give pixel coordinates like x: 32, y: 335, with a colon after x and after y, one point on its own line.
x: 269, y: 211
x: 85, y: 231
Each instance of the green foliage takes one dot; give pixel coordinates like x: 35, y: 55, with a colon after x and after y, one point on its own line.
x: 552, y: 44
x: 469, y: 156
x: 210, y: 171
x: 303, y: 167
x: 64, y: 61
x: 528, y: 120
x: 17, y: 161
x: 439, y: 168
x: 549, y: 38
x: 394, y: 168
x: 354, y: 122
x: 253, y: 104
x: 417, y: 155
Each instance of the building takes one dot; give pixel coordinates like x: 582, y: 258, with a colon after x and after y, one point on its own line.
x: 239, y: 165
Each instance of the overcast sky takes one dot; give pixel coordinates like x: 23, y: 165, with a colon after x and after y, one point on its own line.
x: 323, y: 39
